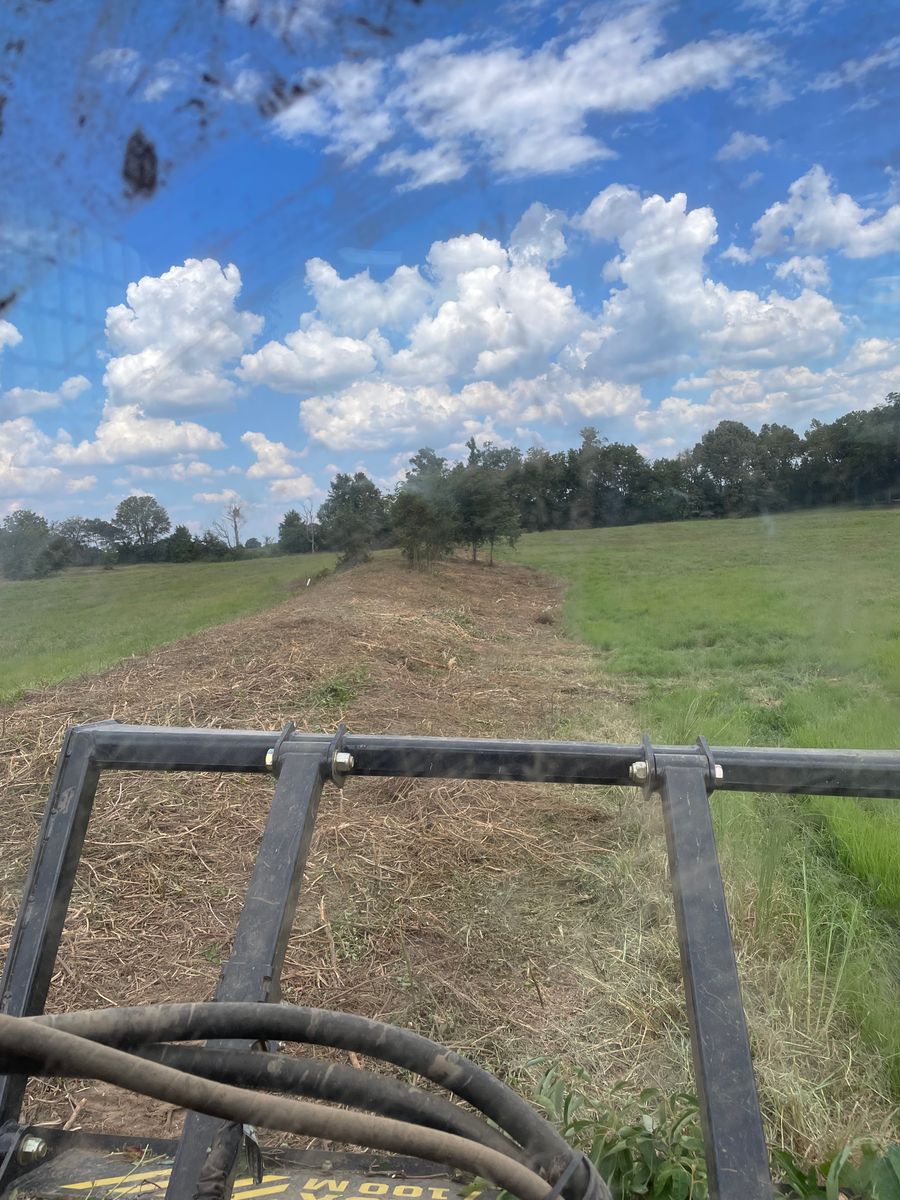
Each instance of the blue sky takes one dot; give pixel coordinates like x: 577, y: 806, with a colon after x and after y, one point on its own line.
x: 381, y: 226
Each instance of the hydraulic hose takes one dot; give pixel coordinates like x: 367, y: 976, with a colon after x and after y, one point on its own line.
x: 128, y: 1027
x: 68, y: 1053
x: 321, y: 1080
x: 543, y: 1155
x: 339, y: 1084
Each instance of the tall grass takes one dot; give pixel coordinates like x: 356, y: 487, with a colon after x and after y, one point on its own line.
x: 772, y: 631
x: 868, y: 843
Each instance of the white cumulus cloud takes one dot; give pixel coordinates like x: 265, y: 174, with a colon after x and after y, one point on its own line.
x: 346, y: 108
x: 356, y: 306
x: 309, y: 358
x: 180, y: 471
x: 522, y: 111
x: 25, y: 468
x: 526, y: 112
x: 9, y: 335
x: 668, y: 310
x: 743, y: 145
x: 787, y: 394
x: 175, y: 336
x: 382, y: 413
x: 298, y: 487
x: 495, y: 317
x: 126, y: 434
x: 19, y: 401
x: 815, y: 218
x: 272, y: 458
x: 226, y: 496
x: 808, y: 270
x: 81, y: 483
x: 538, y: 238
x: 499, y: 344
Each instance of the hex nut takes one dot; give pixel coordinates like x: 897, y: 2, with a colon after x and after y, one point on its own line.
x: 270, y: 759
x: 31, y: 1150
x: 343, y: 762
x: 639, y: 772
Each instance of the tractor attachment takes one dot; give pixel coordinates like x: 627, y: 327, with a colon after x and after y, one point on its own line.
x: 411, y: 1129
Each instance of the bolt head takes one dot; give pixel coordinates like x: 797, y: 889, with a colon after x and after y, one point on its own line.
x: 270, y: 759
x: 32, y: 1150
x: 639, y: 772
x: 343, y: 761
x: 719, y: 773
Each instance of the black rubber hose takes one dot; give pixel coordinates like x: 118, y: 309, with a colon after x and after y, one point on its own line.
x: 321, y: 1080
x: 226, y: 1020
x: 337, y: 1083
x: 66, y: 1053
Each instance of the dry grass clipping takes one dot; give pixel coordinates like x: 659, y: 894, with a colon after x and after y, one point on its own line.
x: 424, y: 902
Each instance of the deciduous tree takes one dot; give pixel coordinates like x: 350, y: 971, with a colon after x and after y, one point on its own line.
x: 29, y: 549
x: 142, y: 520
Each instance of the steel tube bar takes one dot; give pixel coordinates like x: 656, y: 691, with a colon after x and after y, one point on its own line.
x: 813, y: 772
x: 253, y: 972
x: 736, y: 1156
x: 45, y: 899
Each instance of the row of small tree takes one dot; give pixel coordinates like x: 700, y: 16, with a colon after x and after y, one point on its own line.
x: 440, y: 507
x: 437, y: 508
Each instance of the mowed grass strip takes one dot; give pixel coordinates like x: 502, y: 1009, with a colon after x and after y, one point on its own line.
x: 780, y: 630
x: 86, y: 619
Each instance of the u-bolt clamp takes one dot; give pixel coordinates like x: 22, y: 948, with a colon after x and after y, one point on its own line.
x: 273, y: 756
x: 645, y: 772
x: 340, y: 763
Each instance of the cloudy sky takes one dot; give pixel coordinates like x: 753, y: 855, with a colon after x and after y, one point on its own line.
x: 377, y: 227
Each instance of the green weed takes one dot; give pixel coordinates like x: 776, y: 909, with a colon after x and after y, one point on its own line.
x: 646, y: 1146
x: 335, y: 691
x: 458, y: 617
x: 651, y: 1145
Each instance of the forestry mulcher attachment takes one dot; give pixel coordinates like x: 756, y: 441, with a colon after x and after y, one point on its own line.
x: 422, y: 1145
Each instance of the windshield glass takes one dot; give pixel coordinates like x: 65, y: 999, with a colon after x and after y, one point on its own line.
x: 515, y: 370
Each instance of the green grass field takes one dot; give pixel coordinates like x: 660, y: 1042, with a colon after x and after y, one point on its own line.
x: 775, y: 631
x: 86, y: 619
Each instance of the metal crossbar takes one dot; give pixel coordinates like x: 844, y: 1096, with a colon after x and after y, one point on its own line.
x: 683, y: 775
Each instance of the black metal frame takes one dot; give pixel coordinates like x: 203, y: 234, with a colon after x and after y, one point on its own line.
x: 684, y: 775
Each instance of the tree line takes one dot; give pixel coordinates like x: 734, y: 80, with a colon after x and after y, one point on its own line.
x: 140, y: 530
x: 499, y: 492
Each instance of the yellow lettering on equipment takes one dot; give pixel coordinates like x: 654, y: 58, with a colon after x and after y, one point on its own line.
x: 272, y: 1190
x: 133, y: 1177
x: 248, y: 1180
